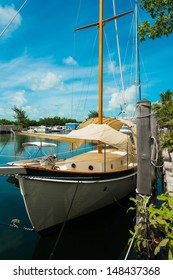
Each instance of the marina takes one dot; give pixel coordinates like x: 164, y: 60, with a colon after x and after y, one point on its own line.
x: 9, y: 128
x: 92, y: 237
x: 67, y: 188
x: 56, y: 190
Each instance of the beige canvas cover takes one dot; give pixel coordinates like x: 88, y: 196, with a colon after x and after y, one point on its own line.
x: 96, y: 132
x: 112, y: 122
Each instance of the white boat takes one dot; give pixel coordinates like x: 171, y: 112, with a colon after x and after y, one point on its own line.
x: 36, y: 129
x: 57, y: 128
x: 68, y: 188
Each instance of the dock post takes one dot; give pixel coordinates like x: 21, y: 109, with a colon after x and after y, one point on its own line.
x: 143, y: 132
x: 144, y: 175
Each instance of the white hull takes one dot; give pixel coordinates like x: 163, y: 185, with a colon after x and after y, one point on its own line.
x: 51, y: 201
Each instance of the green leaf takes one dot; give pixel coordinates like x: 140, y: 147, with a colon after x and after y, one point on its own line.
x: 131, y: 232
x: 157, y: 250
x: 133, y: 199
x: 170, y: 255
x: 144, y: 243
x: 164, y: 242
x: 131, y: 208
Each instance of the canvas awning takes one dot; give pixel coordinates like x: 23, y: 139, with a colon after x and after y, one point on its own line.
x: 112, y: 122
x: 94, y: 133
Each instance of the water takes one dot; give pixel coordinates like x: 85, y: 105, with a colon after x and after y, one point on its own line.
x: 100, y: 235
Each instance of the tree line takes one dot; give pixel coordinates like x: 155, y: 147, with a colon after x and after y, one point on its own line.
x: 21, y: 118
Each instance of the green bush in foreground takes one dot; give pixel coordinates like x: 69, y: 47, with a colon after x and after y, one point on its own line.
x: 153, y: 233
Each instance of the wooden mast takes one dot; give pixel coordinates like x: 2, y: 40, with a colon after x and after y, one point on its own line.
x: 100, y: 71
x: 100, y: 82
x: 100, y: 25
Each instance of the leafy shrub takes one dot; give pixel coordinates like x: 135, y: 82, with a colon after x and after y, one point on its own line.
x: 153, y: 232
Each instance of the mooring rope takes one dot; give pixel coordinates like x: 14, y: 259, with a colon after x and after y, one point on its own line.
x: 116, y: 200
x: 64, y: 223
x: 14, y: 224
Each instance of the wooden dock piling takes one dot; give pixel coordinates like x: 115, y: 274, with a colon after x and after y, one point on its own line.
x: 144, y: 177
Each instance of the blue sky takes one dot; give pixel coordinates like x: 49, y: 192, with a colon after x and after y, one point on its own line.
x: 49, y: 70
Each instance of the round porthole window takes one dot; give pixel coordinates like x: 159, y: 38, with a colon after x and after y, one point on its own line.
x: 73, y: 165
x: 90, y: 167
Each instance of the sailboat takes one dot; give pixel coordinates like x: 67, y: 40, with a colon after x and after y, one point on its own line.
x: 72, y: 187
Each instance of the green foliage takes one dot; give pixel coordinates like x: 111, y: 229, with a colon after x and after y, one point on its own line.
x: 161, y: 12
x: 153, y: 233
x: 20, y: 116
x: 23, y: 120
x: 55, y: 121
x: 164, y: 108
x: 92, y: 114
x: 6, y: 122
x: 166, y: 140
x: 164, y: 112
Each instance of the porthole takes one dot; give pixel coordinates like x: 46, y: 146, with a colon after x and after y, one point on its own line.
x: 90, y: 167
x: 112, y: 166
x: 73, y: 165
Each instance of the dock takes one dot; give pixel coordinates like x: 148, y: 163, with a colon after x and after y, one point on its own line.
x: 167, y: 171
x: 9, y: 128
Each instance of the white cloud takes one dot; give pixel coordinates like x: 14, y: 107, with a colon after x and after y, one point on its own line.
x: 131, y: 109
x: 129, y: 98
x: 47, y: 81
x: 70, y: 61
x: 116, y: 100
x: 7, y: 13
x: 19, y: 99
x: 111, y: 67
x: 45, y: 87
x: 131, y: 94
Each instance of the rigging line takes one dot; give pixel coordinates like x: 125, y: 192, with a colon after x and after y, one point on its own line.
x: 137, y: 62
x: 109, y: 53
x: 78, y: 11
x: 79, y: 99
x: 141, y: 58
x: 90, y: 75
x: 91, y: 71
x: 5, y: 144
x: 73, y: 77
x: 119, y: 55
x: 7, y: 26
x: 74, y: 52
x: 113, y: 73
x: 131, y: 33
x: 63, y: 226
x: 130, y: 71
x: 131, y: 3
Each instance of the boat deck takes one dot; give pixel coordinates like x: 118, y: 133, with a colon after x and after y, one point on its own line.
x: 98, y: 157
x: 88, y: 162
